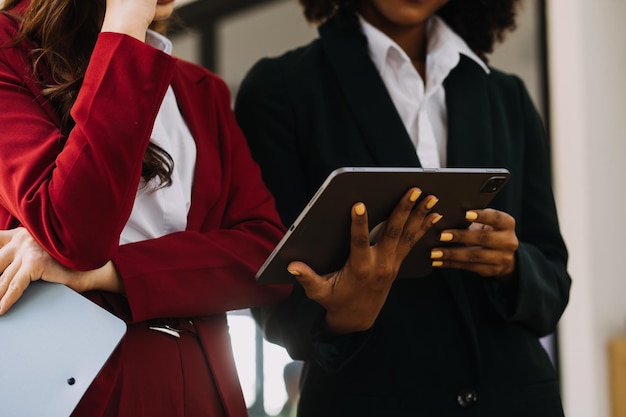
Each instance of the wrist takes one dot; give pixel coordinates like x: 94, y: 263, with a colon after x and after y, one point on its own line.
x: 348, y: 322
x: 118, y: 24
x: 106, y: 278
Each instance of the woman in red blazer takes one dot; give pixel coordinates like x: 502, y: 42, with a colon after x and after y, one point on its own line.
x: 124, y: 176
x: 106, y: 139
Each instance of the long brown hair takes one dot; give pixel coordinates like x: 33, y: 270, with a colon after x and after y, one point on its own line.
x: 66, y: 32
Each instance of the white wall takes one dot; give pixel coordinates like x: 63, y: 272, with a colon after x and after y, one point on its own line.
x: 587, y: 45
x: 520, y: 52
x: 261, y: 31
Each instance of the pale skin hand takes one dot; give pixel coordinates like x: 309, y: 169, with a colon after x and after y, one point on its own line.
x: 489, y: 247
x: 131, y: 17
x: 23, y: 260
x: 354, y: 295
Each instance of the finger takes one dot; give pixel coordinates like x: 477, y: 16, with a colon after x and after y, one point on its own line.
x: 486, y: 262
x: 7, y: 235
x: 6, y: 257
x: 499, y: 220
x: 418, y: 223
x: 484, y: 237
x: 14, y: 287
x: 359, y: 235
x: 474, y: 254
x: 315, y: 286
x: 480, y: 226
x: 476, y: 237
x: 6, y: 277
x: 485, y: 270
x: 395, y: 225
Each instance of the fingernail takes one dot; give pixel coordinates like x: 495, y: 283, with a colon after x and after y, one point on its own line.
x: 434, y: 254
x: 431, y: 203
x: 446, y: 237
x: 437, y: 263
x: 437, y: 218
x: 293, y: 272
x: 471, y: 215
x: 415, y: 195
x: 359, y: 209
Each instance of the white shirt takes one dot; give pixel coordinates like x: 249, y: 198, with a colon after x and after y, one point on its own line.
x: 160, y: 211
x: 421, y: 105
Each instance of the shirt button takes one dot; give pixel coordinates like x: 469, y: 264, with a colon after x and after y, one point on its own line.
x: 467, y: 398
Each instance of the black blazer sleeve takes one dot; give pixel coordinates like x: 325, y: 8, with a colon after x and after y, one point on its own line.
x: 543, y: 282
x: 265, y: 114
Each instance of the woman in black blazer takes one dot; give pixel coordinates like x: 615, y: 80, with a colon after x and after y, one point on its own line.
x: 462, y: 341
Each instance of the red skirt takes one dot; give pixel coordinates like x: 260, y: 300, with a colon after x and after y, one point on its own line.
x: 155, y: 374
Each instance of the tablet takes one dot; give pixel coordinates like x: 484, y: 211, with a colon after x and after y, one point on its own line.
x: 320, y: 236
x: 54, y: 341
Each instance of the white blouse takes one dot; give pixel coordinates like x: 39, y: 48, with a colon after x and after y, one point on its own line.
x: 420, y: 104
x: 160, y: 211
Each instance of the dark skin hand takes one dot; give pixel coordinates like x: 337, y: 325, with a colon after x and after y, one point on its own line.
x: 354, y: 295
x: 489, y: 247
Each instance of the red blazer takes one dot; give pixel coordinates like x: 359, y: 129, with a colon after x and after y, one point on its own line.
x: 75, y: 193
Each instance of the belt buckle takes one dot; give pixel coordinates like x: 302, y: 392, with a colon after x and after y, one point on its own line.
x: 167, y: 330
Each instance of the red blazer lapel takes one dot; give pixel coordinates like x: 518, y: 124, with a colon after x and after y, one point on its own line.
x: 197, y: 107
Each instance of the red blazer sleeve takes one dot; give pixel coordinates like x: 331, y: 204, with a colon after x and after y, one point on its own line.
x: 232, y: 224
x: 75, y: 193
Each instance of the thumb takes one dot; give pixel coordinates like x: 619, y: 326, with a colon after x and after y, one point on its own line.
x: 313, y: 284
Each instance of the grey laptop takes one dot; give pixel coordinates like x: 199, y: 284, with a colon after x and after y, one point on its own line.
x: 320, y: 236
x: 53, y: 343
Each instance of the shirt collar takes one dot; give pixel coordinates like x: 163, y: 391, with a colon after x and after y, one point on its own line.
x: 443, y: 42
x: 158, y: 41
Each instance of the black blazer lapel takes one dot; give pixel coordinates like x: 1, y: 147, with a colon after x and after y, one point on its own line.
x: 470, y: 133
x: 470, y: 144
x: 374, y: 112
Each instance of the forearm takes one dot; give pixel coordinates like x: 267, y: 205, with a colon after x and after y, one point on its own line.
x: 195, y: 274
x: 105, y: 278
x: 68, y: 189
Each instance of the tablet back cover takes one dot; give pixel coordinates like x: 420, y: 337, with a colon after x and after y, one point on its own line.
x: 53, y: 343
x: 320, y: 236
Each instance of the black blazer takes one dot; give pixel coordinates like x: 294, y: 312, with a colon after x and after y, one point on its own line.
x: 450, y: 344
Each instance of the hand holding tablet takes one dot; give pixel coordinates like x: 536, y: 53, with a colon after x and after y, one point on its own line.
x: 320, y: 236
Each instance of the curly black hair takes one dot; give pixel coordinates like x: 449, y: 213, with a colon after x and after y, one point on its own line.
x: 481, y: 23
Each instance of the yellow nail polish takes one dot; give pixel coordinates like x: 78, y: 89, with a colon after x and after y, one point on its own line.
x: 434, y: 254
x: 359, y: 209
x: 471, y: 215
x: 431, y: 203
x: 415, y: 195
x: 437, y: 263
x: 437, y: 218
x: 446, y: 237
x: 293, y: 272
